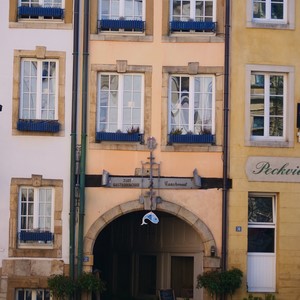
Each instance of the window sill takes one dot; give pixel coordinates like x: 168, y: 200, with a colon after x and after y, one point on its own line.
x: 41, y: 24
x: 270, y: 144
x: 38, y: 125
x: 121, y: 36
x: 269, y: 25
x: 194, y: 37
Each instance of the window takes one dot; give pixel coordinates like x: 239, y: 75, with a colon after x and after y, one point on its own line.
x: 267, y: 105
x: 39, y: 89
x: 41, y: 3
x: 271, y: 13
x: 36, y: 215
x: 127, y: 9
x: 30, y: 294
x: 193, y: 15
x: 124, y: 15
x: 270, y: 106
x: 191, y: 105
x: 45, y: 14
x: 269, y: 10
x: 40, y: 9
x: 261, y: 243
x: 203, y: 10
x: 120, y: 103
x: 38, y: 93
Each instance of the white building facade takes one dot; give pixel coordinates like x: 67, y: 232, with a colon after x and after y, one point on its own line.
x: 36, y: 94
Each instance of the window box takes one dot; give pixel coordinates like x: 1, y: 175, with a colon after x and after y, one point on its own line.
x: 119, y: 137
x: 132, y: 25
x: 38, y: 125
x: 192, y: 25
x: 32, y: 236
x: 50, y: 12
x: 191, y: 138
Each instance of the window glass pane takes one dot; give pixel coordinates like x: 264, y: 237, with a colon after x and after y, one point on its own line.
x: 261, y: 240
x: 129, y: 12
x: 260, y: 209
x: 114, y: 9
x: 105, y: 6
x: 259, y: 9
x: 276, y: 126
x: 277, y: 10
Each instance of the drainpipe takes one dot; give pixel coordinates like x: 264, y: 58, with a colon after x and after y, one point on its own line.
x: 83, y: 134
x: 225, y: 139
x: 73, y: 140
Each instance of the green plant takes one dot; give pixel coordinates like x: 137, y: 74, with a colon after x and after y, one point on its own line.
x: 267, y: 297
x: 177, y: 131
x: 133, y: 130
x: 220, y: 282
x: 61, y: 286
x: 90, y: 283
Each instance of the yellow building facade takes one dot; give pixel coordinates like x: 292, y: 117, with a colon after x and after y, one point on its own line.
x: 264, y: 207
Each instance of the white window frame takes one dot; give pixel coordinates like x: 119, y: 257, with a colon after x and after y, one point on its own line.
x: 41, y: 3
x: 193, y: 11
x: 268, y: 17
x: 261, y: 267
x: 36, y: 203
x: 120, y: 101
x: 122, y: 11
x: 191, y: 100
x: 288, y: 21
x: 33, y: 294
x: 288, y: 136
x: 39, y: 91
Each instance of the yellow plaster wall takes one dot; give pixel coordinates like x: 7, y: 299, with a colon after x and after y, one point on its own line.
x: 269, y: 47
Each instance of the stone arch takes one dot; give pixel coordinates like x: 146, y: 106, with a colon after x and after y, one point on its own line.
x: 166, y: 206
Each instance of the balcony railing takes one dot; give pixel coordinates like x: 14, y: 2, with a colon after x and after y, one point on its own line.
x: 38, y: 125
x: 193, y: 26
x: 191, y: 138
x: 35, y: 12
x: 116, y: 25
x: 119, y: 137
x: 36, y: 236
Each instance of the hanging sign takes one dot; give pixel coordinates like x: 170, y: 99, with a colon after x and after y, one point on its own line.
x: 151, y: 216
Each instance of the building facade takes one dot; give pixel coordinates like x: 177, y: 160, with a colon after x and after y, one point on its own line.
x: 154, y: 131
x: 36, y: 92
x: 264, y: 152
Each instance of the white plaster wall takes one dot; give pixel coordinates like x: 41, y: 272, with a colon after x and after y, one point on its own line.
x: 22, y: 156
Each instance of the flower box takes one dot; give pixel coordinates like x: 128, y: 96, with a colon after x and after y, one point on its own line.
x: 135, y: 25
x: 192, y: 25
x: 119, y: 137
x: 50, y: 12
x: 38, y: 125
x: 191, y: 138
x: 36, y: 236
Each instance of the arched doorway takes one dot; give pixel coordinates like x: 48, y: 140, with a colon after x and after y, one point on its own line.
x: 136, y: 261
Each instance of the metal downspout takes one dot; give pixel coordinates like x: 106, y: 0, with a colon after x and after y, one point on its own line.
x: 83, y: 134
x: 73, y: 140
x: 225, y: 139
